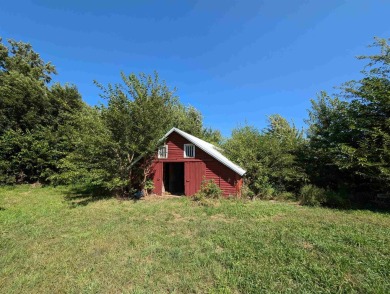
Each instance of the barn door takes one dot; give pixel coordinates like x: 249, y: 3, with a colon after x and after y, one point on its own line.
x: 158, y: 178
x: 194, y: 173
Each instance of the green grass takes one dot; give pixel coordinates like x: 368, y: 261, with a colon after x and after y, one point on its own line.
x: 54, y: 242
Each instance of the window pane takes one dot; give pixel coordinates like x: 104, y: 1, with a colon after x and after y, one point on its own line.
x: 162, y: 152
x: 189, y: 150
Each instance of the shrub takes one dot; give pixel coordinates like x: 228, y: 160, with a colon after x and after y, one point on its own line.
x: 246, y: 192
x: 267, y: 192
x: 149, y: 186
x: 209, y: 190
x: 312, y: 195
x: 286, y: 196
x: 339, y: 198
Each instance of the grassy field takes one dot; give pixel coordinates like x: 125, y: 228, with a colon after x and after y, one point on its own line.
x: 54, y: 241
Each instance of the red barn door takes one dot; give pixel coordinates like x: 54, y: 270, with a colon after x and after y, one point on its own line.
x: 158, y: 178
x: 194, y: 173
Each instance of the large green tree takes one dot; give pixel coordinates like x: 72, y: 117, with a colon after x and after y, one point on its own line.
x: 350, y: 133
x: 270, y: 156
x: 328, y: 127
x: 367, y: 154
x: 34, y: 116
x: 117, y: 140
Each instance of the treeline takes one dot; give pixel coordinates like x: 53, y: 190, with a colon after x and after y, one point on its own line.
x: 34, y: 118
x: 343, y: 157
x: 49, y: 135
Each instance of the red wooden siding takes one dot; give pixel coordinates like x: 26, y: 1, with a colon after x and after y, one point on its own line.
x: 196, y: 169
x: 194, y: 172
x: 176, y: 143
x: 157, y: 177
x: 222, y: 175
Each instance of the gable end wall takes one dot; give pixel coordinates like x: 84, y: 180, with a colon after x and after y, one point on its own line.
x: 228, y: 180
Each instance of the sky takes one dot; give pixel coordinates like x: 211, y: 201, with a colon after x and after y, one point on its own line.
x: 236, y: 61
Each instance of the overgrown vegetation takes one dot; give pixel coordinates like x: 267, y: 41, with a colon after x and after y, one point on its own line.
x: 34, y: 117
x: 344, y: 158
x: 209, y: 191
x: 49, y: 135
x: 112, y: 137
x: 52, y: 240
x: 312, y: 195
x: 270, y: 157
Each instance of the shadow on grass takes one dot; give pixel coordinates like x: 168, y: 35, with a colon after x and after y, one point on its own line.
x: 77, y: 196
x: 372, y: 207
x: 81, y: 196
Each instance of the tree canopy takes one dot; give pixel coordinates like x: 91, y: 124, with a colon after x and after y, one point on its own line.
x: 138, y: 113
x: 269, y: 156
x: 349, y: 133
x: 34, y: 116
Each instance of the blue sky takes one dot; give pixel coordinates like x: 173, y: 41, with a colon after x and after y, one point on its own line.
x: 235, y: 61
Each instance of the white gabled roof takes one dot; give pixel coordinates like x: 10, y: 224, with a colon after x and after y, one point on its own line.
x: 210, y: 149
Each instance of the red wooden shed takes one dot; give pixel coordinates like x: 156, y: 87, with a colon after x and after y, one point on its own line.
x: 184, y: 161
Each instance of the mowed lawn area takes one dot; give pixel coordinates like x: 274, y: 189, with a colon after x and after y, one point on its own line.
x: 53, y: 241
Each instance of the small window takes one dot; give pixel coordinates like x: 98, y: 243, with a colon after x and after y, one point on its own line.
x: 163, y: 151
x: 189, y: 150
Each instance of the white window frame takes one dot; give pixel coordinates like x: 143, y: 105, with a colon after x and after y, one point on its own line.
x: 185, y: 147
x: 166, y: 152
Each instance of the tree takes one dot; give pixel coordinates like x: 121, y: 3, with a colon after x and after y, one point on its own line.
x: 368, y: 155
x: 270, y: 157
x: 212, y: 136
x: 113, y: 137
x: 243, y: 147
x: 190, y: 120
x: 328, y: 127
x: 33, y: 116
x: 23, y: 79
x: 350, y: 134
x: 282, y: 145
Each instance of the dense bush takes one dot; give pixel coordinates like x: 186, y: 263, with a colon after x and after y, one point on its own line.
x: 286, y: 196
x: 247, y: 193
x: 339, y: 198
x: 270, y: 157
x: 149, y: 186
x: 312, y: 196
x: 349, y: 132
x: 209, y: 190
x: 347, y: 147
x: 35, y: 118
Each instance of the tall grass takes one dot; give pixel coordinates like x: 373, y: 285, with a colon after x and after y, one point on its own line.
x: 54, y: 241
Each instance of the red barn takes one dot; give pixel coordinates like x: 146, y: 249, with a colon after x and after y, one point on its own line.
x: 184, y: 161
